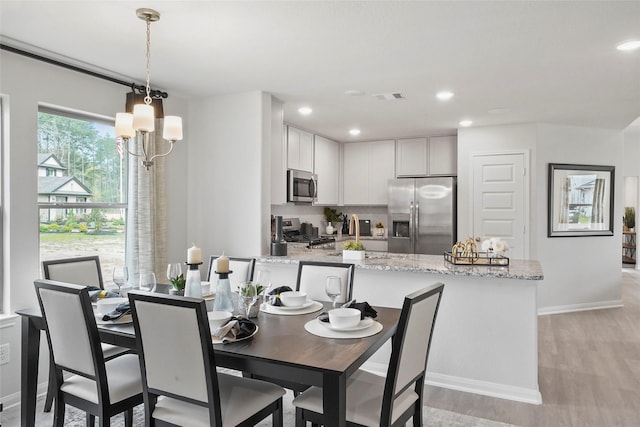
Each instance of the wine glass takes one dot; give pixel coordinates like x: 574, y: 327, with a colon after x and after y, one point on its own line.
x: 263, y: 278
x: 120, y: 276
x: 147, y: 281
x: 173, y: 270
x: 333, y: 288
x: 248, y: 295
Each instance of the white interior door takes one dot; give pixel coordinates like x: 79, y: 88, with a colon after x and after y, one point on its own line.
x: 500, y: 200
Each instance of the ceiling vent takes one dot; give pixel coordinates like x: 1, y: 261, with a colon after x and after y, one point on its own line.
x: 389, y: 96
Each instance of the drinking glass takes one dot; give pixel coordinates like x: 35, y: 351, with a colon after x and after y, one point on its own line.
x: 120, y: 276
x: 147, y: 281
x: 263, y: 278
x: 248, y: 295
x: 333, y: 288
x: 174, y: 270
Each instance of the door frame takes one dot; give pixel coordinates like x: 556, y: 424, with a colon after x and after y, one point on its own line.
x: 526, y: 196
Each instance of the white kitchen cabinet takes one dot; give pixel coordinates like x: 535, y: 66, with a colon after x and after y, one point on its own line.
x: 411, y: 157
x: 432, y: 156
x: 299, y: 149
x: 327, y: 167
x: 443, y: 155
x: 368, y: 166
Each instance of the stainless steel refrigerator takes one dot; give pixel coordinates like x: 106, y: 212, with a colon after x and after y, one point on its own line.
x: 422, y: 215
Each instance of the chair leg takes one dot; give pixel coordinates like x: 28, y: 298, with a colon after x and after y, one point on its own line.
x: 91, y: 420
x: 277, y: 416
x: 58, y: 412
x: 51, y: 387
x: 128, y: 418
x: 300, y: 422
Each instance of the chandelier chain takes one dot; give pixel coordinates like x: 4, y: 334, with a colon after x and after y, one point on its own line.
x: 147, y: 99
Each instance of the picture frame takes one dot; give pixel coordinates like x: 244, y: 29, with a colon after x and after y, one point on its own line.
x: 581, y: 200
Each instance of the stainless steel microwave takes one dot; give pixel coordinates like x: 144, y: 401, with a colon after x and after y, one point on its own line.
x: 302, y: 187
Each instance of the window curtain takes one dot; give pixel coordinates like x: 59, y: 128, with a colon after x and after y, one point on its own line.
x: 146, y: 231
x: 597, y: 208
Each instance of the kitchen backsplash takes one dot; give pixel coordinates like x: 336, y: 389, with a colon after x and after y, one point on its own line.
x: 315, y: 214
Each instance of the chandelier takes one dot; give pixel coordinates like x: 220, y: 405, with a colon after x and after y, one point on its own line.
x: 141, y: 123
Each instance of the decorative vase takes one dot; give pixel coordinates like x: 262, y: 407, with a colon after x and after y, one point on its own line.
x: 253, y: 312
x: 349, y: 254
x: 174, y: 291
x: 380, y: 231
x: 330, y: 228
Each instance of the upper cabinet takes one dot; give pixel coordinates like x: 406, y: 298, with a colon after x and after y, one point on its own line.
x: 368, y: 167
x: 299, y: 149
x: 327, y: 167
x: 417, y: 157
x: 443, y: 155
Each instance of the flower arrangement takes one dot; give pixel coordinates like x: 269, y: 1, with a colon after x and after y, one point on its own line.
x: 178, y: 282
x: 494, y: 246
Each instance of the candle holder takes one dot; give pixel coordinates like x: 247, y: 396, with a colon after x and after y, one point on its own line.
x: 193, y: 287
x: 223, y: 301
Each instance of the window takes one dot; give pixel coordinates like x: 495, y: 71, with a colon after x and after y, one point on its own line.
x: 81, y: 189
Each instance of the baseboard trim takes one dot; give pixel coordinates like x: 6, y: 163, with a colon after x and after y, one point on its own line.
x: 485, y: 388
x: 570, y: 308
x: 13, y: 399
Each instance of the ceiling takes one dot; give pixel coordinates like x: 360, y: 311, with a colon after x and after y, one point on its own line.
x: 506, y: 62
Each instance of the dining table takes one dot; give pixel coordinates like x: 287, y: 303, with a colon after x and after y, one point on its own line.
x: 282, y: 348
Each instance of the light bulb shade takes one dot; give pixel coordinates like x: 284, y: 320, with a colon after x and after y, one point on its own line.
x: 124, y: 125
x: 143, y: 118
x: 172, y: 128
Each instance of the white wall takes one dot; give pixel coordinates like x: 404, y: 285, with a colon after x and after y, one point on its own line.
x: 24, y: 83
x: 580, y: 272
x: 229, y: 194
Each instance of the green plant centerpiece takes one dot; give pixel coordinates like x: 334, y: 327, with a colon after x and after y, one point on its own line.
x: 178, y: 282
x: 379, y: 224
x: 629, y: 218
x: 353, y: 249
x: 253, y: 312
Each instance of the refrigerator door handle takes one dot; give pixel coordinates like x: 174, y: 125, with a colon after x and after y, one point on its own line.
x: 416, y: 227
x: 412, y: 232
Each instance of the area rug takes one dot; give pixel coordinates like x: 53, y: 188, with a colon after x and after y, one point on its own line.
x: 432, y: 417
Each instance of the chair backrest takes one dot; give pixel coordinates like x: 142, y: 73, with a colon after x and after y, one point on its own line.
x: 411, y: 345
x: 71, y: 330
x: 183, y: 367
x: 242, y: 269
x: 80, y: 270
x: 312, y: 277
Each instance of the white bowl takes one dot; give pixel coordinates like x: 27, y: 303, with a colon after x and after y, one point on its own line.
x: 218, y: 318
x: 106, y: 305
x: 344, y: 318
x: 206, y: 288
x: 293, y: 298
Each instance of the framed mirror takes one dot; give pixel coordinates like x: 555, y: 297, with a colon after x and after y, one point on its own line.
x: 580, y: 200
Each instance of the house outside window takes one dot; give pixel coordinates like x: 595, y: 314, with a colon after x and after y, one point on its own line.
x: 81, y: 189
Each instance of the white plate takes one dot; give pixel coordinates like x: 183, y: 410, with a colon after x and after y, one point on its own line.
x: 122, y: 320
x: 217, y: 340
x: 299, y: 307
x: 365, y: 323
x: 290, y: 311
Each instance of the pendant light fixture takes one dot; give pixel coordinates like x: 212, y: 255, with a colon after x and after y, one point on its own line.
x: 141, y: 123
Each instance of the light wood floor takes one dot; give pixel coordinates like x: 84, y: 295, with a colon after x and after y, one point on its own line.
x: 589, y: 371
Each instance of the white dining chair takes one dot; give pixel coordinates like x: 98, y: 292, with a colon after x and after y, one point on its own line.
x: 84, y: 379
x: 373, y: 400
x: 312, y: 277
x: 179, y: 377
x: 242, y: 269
x: 85, y: 271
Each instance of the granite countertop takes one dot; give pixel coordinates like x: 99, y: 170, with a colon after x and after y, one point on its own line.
x: 385, y: 261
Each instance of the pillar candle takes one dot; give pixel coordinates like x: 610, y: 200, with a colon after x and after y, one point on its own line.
x: 223, y: 264
x: 194, y: 255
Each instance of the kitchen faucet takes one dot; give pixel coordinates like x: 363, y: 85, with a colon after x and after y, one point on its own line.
x: 354, y: 218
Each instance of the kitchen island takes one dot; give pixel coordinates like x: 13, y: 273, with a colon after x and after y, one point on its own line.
x: 486, y: 335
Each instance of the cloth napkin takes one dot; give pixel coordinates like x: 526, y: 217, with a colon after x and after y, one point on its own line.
x: 274, y: 295
x: 235, y: 329
x: 365, y: 310
x: 117, y: 312
x: 96, y: 293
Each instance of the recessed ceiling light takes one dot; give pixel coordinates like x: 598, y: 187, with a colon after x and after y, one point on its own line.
x: 630, y: 45
x: 466, y: 123
x: 444, y: 95
x: 354, y: 132
x: 354, y: 92
x: 305, y: 111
